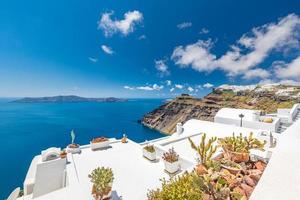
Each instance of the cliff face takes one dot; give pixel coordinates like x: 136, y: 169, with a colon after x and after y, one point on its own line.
x: 267, y: 98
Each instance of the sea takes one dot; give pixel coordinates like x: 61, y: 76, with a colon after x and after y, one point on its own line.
x: 28, y: 128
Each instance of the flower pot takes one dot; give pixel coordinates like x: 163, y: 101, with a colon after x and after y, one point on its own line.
x: 236, y: 156
x: 172, y: 167
x: 63, y: 155
x: 149, y: 155
x: 98, y: 196
x: 73, y: 148
x: 99, y: 145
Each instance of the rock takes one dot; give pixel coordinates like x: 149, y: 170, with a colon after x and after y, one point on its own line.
x: 249, y: 181
x: 254, y: 172
x: 183, y: 108
x: 255, y: 178
x: 247, y: 189
x: 260, y: 165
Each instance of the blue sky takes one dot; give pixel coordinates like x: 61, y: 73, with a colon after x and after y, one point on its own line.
x: 145, y: 48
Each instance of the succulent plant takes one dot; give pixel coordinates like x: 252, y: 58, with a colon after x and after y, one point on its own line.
x: 149, y: 148
x: 205, y: 149
x: 184, y: 187
x: 102, y: 179
x: 241, y: 144
x: 170, y: 156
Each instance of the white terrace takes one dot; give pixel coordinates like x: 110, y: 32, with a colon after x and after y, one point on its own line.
x: 254, y: 119
x: 64, y: 179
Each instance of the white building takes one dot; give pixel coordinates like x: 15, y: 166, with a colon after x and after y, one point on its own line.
x: 247, y: 118
x: 52, y: 178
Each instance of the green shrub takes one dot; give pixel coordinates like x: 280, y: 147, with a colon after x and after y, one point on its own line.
x: 185, y: 187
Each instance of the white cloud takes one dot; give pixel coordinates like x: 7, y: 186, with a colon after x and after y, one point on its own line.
x: 172, y: 89
x: 128, y: 87
x: 256, y: 73
x: 208, y: 85
x: 148, y: 88
x: 249, y: 51
x: 151, y: 88
x: 290, y: 70
x: 204, y: 31
x: 157, y: 87
x: 124, y: 26
x: 184, y: 25
x: 195, y: 55
x: 190, y: 89
x: 107, y: 49
x: 178, y: 86
x: 168, y: 82
x: 162, y: 67
x: 94, y: 60
x: 142, y: 37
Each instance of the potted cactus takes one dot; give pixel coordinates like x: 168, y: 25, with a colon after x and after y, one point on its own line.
x: 73, y: 147
x: 102, y: 179
x: 100, y: 142
x: 205, y: 151
x: 149, y: 152
x: 237, y: 148
x: 171, y: 161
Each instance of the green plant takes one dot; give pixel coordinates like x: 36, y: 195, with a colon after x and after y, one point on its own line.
x: 102, y: 179
x: 215, y: 186
x: 185, y: 187
x: 149, y: 148
x: 170, y: 156
x: 241, y: 144
x: 205, y: 149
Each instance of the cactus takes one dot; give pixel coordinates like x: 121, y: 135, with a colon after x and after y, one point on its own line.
x: 205, y: 149
x: 241, y: 144
x: 102, y: 179
x: 149, y: 148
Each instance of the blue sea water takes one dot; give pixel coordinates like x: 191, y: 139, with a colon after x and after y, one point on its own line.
x: 28, y: 128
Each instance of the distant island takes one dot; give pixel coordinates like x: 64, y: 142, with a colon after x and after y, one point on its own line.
x: 64, y: 99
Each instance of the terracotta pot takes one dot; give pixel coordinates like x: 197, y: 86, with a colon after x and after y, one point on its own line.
x: 236, y: 156
x: 63, y: 155
x: 201, y: 169
x: 97, y: 196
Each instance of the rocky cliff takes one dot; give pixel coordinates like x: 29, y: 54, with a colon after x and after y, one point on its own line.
x: 264, y: 97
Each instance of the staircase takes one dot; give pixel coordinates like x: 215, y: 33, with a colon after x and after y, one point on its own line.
x: 284, y: 124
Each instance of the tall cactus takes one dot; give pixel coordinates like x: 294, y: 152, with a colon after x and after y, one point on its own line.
x: 205, y: 149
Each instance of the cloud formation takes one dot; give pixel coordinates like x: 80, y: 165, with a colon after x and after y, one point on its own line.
x: 290, y: 70
x: 146, y: 88
x: 190, y: 89
x: 204, y: 31
x: 124, y: 26
x: 107, y: 49
x: 151, y: 88
x: 178, y: 86
x: 168, y: 82
x: 94, y: 60
x: 128, y: 87
x: 208, y: 85
x: 184, y: 25
x: 162, y: 67
x: 244, y: 56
